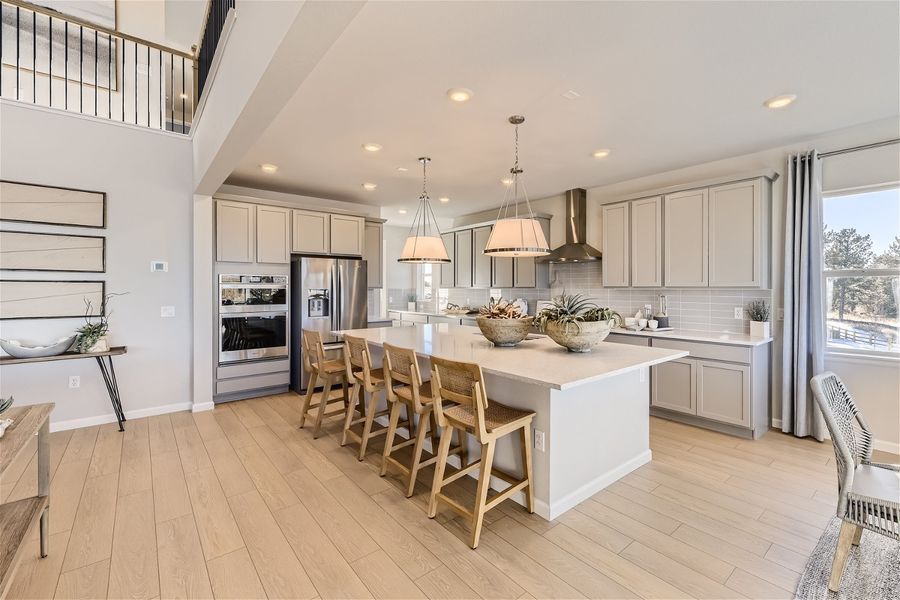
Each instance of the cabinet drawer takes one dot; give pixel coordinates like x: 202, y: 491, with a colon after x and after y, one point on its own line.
x: 242, y: 384
x: 448, y: 320
x: 413, y: 318
x: 394, y: 315
x: 253, y: 368
x: 737, y: 354
x: 631, y: 340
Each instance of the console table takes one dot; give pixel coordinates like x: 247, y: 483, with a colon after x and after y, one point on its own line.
x: 17, y: 518
x: 106, y: 369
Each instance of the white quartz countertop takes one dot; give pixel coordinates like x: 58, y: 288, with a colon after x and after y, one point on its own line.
x: 538, y: 360
x: 434, y: 314
x: 733, y: 339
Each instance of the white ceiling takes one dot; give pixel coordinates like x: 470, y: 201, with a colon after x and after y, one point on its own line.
x: 663, y: 85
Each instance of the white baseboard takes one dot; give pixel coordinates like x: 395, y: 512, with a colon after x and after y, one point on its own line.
x: 883, y: 445
x: 202, y: 406
x: 111, y: 418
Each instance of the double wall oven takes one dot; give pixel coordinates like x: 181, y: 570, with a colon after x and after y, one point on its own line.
x: 253, y: 317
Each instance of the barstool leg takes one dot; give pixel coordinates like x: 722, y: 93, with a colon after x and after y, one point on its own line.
x: 484, y: 484
x: 439, y: 465
x: 526, y: 466
x: 348, y: 412
x: 389, y: 436
x: 323, y: 401
x: 463, y: 448
x: 367, y: 428
x: 417, y: 454
x: 307, y: 399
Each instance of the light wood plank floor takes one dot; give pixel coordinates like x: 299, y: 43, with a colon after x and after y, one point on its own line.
x: 239, y: 503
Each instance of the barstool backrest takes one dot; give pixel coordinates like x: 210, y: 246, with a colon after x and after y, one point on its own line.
x: 402, y: 368
x: 356, y: 357
x: 313, y: 349
x: 462, y: 383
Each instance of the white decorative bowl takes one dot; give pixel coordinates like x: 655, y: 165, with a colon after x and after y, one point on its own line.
x: 505, y: 332
x: 579, y: 337
x: 17, y: 349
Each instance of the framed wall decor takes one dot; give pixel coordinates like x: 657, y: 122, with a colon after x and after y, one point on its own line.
x: 51, y: 205
x: 34, y: 299
x: 32, y: 251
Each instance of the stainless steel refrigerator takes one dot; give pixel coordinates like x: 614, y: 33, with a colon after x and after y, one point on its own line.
x: 326, y: 294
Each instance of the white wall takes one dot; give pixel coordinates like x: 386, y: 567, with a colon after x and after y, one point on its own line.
x: 147, y: 176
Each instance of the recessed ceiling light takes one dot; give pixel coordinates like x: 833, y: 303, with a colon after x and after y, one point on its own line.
x: 444, y: 199
x: 370, y: 186
x: 780, y: 101
x: 402, y: 211
x: 571, y: 95
x: 507, y: 181
x: 402, y: 169
x: 460, y: 94
x: 371, y: 147
x: 601, y: 153
x: 267, y: 168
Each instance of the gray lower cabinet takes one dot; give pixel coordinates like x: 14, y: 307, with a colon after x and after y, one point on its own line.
x: 674, y: 386
x: 723, y: 392
x: 245, y: 380
x: 434, y: 319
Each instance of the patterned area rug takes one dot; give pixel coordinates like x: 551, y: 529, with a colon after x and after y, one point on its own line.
x: 872, y: 571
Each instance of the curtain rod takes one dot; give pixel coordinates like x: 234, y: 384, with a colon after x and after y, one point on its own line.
x: 858, y: 148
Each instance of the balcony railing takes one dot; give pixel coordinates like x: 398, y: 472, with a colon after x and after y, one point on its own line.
x: 216, y: 17
x: 59, y: 61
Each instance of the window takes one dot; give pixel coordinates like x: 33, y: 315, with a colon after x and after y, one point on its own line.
x: 862, y: 270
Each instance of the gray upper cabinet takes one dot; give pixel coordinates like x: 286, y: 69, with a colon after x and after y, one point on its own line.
x: 502, y: 272
x: 311, y: 231
x: 481, y: 262
x: 464, y: 258
x: 235, y: 231
x: 686, y: 240
x: 738, y: 235
x: 527, y: 273
x: 373, y: 254
x: 615, y: 245
x: 448, y: 270
x: 273, y: 234
x: 646, y: 242
x: 347, y: 235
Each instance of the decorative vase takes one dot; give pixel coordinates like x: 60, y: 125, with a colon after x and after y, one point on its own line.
x: 581, y: 336
x: 411, y: 306
x: 505, y: 332
x: 760, y: 329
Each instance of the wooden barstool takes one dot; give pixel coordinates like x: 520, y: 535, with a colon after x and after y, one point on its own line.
x: 319, y: 367
x: 405, y: 388
x: 366, y: 383
x: 487, y: 421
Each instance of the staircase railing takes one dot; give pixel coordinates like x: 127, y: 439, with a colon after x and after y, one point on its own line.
x: 213, y: 26
x: 51, y: 59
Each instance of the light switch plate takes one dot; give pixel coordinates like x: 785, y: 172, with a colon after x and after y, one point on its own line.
x: 159, y: 266
x: 738, y: 312
x: 166, y: 311
x: 781, y: 314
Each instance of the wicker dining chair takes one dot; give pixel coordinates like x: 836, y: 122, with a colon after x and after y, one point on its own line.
x: 367, y: 383
x: 320, y: 367
x: 868, y: 492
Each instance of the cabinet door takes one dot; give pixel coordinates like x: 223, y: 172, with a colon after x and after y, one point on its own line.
x: 464, y: 258
x: 273, y: 234
x: 310, y: 234
x: 687, y: 239
x: 723, y: 392
x: 674, y: 386
x: 448, y: 270
x: 616, y: 270
x: 481, y: 269
x: 373, y: 254
x: 529, y: 274
x: 502, y: 272
x: 646, y: 242
x: 433, y: 319
x: 735, y: 234
x: 347, y: 235
x: 235, y: 230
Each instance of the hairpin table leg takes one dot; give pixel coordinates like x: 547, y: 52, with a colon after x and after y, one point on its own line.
x: 112, y: 387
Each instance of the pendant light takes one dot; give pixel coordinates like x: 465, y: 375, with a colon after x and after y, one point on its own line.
x: 424, y: 243
x: 514, y: 234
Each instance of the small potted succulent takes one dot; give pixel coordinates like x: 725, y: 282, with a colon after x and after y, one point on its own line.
x: 758, y: 311
x: 577, y: 323
x: 503, y: 322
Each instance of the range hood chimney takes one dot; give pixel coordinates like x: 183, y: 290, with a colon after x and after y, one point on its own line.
x: 576, y: 248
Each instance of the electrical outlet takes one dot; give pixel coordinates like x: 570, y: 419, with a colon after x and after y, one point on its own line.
x: 539, y: 440
x: 781, y: 314
x: 167, y: 311
x: 738, y: 312
x: 74, y: 382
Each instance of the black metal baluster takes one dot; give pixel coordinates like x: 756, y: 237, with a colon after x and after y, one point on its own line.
x: 34, y: 57
x: 122, y: 93
x: 50, y: 69
x: 108, y: 76
x: 183, y: 95
x: 162, y: 107
x: 1, y: 49
x: 148, y: 86
x: 18, y: 29
x: 96, y: 76
x: 66, y: 77
x: 135, y: 83
x: 172, y: 87
x: 80, y: 69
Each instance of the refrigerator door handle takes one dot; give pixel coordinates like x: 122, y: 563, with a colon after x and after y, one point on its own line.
x: 338, y: 297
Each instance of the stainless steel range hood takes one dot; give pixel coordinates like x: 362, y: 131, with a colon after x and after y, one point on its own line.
x: 576, y: 248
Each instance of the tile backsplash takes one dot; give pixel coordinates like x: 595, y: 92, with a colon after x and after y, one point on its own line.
x: 699, y: 309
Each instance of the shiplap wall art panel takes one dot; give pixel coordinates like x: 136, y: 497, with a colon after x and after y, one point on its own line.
x: 32, y: 251
x: 32, y: 203
x: 32, y: 299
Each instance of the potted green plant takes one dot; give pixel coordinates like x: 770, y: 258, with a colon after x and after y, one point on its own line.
x: 503, y: 322
x: 92, y: 335
x: 758, y: 311
x: 411, y: 302
x: 577, y: 323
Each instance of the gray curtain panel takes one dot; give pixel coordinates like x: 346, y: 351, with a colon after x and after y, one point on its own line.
x: 804, y: 322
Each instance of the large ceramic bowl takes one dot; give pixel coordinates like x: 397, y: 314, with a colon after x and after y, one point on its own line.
x: 17, y: 349
x: 505, y: 332
x: 579, y: 337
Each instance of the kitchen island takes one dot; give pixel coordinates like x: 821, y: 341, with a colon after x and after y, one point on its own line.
x: 592, y: 409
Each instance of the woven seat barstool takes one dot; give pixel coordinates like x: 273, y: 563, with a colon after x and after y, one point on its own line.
x: 487, y: 421
x: 406, y: 389
x: 320, y: 367
x: 868, y: 492
x: 364, y: 392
